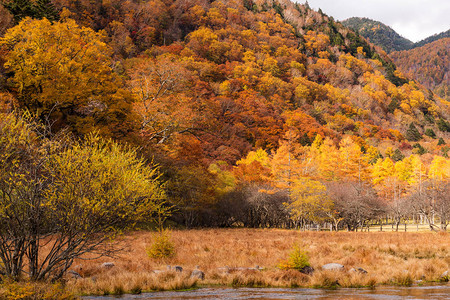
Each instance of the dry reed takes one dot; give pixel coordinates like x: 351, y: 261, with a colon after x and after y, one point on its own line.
x: 227, y: 257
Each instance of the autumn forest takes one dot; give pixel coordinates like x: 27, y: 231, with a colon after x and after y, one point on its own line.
x: 119, y: 114
x: 262, y: 113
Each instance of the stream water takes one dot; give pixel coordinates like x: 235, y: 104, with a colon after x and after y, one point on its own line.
x: 380, y: 293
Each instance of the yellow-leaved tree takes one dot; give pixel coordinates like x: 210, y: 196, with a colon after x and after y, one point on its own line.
x: 353, y: 165
x: 439, y: 186
x: 62, y: 71
x: 67, y: 196
x: 310, y: 202
x: 430, y: 197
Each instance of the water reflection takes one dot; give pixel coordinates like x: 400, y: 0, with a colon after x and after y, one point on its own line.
x: 384, y: 293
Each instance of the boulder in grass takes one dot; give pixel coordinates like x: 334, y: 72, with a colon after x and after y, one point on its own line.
x: 108, y: 265
x: 74, y: 274
x: 333, y: 267
x: 178, y: 269
x: 225, y: 270
x: 198, y: 274
x: 307, y: 270
x: 358, y: 270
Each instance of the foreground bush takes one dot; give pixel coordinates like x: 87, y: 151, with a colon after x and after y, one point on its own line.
x: 162, y: 247
x: 12, y: 290
x: 298, y: 260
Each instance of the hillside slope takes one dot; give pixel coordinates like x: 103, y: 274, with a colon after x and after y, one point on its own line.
x: 267, y: 61
x: 426, y: 61
x: 230, y: 98
x: 429, y: 65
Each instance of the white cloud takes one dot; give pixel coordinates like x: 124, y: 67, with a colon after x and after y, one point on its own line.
x: 413, y: 19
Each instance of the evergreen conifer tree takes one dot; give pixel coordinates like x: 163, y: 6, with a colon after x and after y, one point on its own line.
x: 430, y: 133
x: 20, y: 9
x: 46, y: 9
x: 443, y: 125
x: 419, y: 149
x: 27, y: 8
x: 398, y: 155
x: 412, y: 134
x: 307, y: 5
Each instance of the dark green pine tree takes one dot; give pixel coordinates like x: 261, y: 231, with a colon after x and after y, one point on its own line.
x: 430, y: 133
x: 398, y: 155
x: 20, y: 9
x: 443, y: 125
x: 307, y: 5
x: 420, y: 149
x: 46, y: 9
x: 412, y: 134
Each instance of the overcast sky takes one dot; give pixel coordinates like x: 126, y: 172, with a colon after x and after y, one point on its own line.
x: 412, y: 19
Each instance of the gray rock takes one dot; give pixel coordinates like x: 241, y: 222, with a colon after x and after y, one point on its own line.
x: 175, y: 268
x: 240, y: 269
x: 108, y: 265
x: 333, y: 267
x: 444, y: 276
x: 307, y: 270
x: 224, y: 269
x: 178, y: 269
x: 198, y: 274
x: 78, y: 267
x: 358, y: 270
x: 157, y: 271
x: 74, y: 274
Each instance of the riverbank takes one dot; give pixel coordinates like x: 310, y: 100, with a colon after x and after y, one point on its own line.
x: 389, y: 292
x: 228, y: 257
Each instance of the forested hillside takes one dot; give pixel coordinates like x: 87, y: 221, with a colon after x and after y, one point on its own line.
x: 429, y: 65
x: 379, y: 34
x: 258, y: 113
x: 426, y: 61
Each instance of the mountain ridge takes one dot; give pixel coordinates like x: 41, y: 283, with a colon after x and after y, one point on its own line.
x: 386, y: 37
x: 378, y: 33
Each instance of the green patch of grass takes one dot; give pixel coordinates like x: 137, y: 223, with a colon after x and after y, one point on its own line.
x: 403, y: 280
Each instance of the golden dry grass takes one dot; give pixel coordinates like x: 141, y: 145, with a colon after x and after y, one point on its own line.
x: 389, y: 257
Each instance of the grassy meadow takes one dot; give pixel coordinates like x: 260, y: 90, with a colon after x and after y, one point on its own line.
x: 229, y: 256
